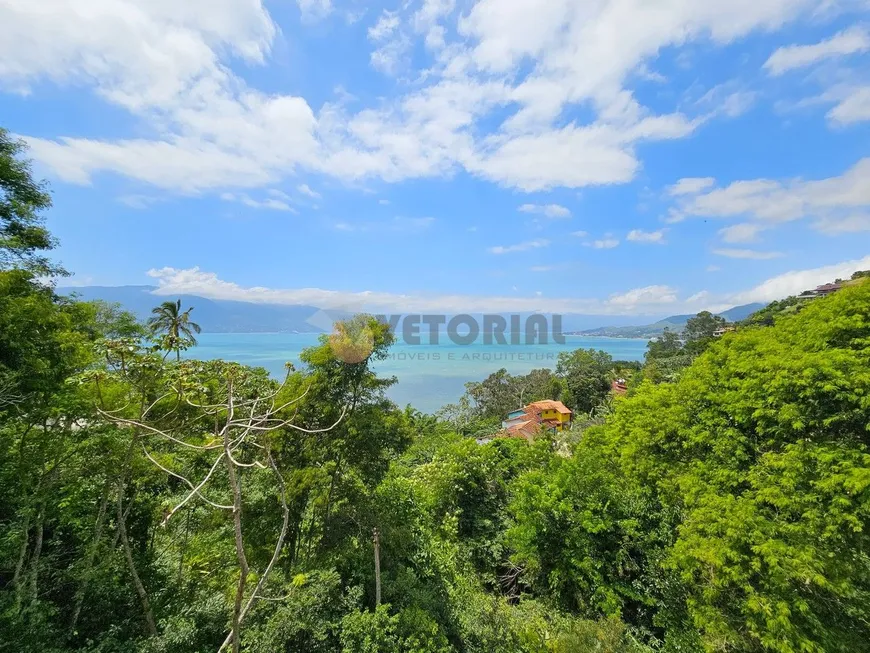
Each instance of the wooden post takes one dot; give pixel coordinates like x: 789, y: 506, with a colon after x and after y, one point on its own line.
x: 377, y: 540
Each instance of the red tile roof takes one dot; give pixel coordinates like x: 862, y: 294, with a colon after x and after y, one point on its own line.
x: 528, y: 424
x: 521, y: 430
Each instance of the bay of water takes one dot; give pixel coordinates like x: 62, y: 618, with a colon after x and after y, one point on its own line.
x: 429, y: 375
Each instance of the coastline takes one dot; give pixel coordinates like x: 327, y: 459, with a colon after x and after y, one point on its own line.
x: 429, y: 376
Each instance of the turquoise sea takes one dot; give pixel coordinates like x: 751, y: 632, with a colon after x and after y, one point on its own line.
x: 429, y: 375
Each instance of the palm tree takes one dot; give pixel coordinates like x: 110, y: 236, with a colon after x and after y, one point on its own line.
x: 176, y: 326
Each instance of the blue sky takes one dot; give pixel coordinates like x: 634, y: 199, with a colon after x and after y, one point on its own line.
x: 604, y: 157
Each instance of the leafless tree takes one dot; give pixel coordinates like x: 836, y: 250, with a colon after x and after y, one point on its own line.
x: 240, y: 445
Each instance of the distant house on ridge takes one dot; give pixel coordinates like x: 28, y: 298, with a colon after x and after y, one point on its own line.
x: 827, y: 289
x: 821, y: 291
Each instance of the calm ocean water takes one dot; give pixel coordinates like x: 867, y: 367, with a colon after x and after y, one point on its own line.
x: 429, y: 375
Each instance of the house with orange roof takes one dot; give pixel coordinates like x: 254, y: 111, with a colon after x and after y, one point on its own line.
x: 529, y: 420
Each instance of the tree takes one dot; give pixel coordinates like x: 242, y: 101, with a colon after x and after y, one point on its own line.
x: 23, y: 236
x: 667, y: 356
x: 540, y: 384
x: 587, y: 377
x: 700, y: 329
x: 582, y: 534
x: 175, y: 325
x: 731, y: 507
x: 766, y: 441
x: 343, y: 466
x: 768, y: 315
x: 248, y: 413
x: 496, y: 395
x: 200, y: 506
x: 665, y: 346
x: 43, y: 339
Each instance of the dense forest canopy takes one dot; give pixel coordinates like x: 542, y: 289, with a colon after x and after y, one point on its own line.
x: 150, y: 503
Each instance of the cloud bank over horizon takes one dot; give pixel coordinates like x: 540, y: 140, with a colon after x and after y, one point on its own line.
x: 638, y: 301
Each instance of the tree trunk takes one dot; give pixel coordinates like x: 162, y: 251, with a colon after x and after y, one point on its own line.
x: 235, y: 481
x: 19, y: 566
x: 33, y: 588
x: 236, y: 486
x: 377, y: 541
x: 183, y: 547
x: 89, y: 564
x: 137, y: 582
x: 328, y: 508
x: 234, y: 635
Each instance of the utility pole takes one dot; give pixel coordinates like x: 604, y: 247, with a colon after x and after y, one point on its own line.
x: 376, y: 537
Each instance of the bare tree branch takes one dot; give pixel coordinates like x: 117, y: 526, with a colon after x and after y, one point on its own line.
x: 242, y: 438
x: 155, y: 431
x: 195, y: 492
x: 156, y: 401
x: 279, y: 545
x: 189, y: 484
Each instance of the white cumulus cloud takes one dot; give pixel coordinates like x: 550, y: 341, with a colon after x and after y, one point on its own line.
x: 605, y: 243
x: 691, y: 186
x: 769, y: 201
x: 650, y: 295
x: 849, y: 41
x: 796, y: 281
x: 305, y: 189
x: 519, y: 247
x: 746, y: 232
x: 647, y: 300
x: 547, y: 210
x: 492, y: 103
x: 640, y: 236
x: 751, y: 254
x: 853, y: 106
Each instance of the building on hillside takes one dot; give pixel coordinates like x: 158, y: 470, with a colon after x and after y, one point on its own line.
x: 522, y: 429
x: 827, y: 289
x: 721, y: 331
x: 821, y: 291
x: 527, y: 421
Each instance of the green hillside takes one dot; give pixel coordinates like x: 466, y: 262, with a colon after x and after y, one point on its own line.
x: 674, y: 323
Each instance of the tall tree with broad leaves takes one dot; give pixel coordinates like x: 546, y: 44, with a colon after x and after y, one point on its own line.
x: 23, y: 236
x: 586, y: 373
x: 700, y: 330
x: 175, y: 325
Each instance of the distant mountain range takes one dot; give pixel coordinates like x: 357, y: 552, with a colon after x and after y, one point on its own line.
x: 213, y: 315
x: 674, y: 323
x: 225, y: 316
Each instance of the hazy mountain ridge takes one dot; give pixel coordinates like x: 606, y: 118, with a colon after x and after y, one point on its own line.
x: 674, y: 322
x: 213, y: 315
x: 227, y: 316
